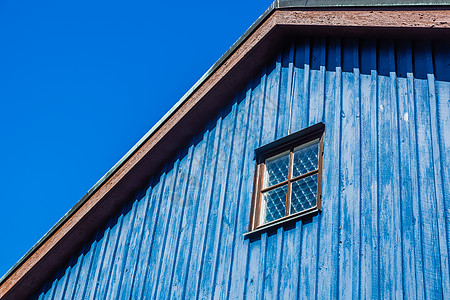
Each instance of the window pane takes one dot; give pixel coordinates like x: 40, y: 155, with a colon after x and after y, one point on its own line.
x: 276, y: 170
x: 304, y: 194
x: 306, y: 158
x: 273, y: 204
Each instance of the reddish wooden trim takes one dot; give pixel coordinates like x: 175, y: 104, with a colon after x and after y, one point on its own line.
x: 259, y: 195
x: 283, y: 220
x: 316, y: 136
x: 319, y: 176
x: 287, y: 210
x: 272, y: 187
x: 254, y: 197
x: 394, y: 17
x: 307, y: 174
x: 214, y: 92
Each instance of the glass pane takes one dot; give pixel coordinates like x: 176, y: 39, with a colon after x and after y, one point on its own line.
x: 273, y: 204
x: 277, y: 168
x: 306, y: 158
x: 304, y: 194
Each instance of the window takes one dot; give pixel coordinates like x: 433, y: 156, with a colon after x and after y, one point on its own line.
x: 288, y: 178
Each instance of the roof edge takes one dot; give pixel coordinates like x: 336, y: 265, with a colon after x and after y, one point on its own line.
x: 358, y: 3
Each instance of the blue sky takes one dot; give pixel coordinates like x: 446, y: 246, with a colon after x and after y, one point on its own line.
x: 81, y: 82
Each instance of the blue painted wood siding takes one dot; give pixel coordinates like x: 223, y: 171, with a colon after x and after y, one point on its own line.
x: 384, y: 229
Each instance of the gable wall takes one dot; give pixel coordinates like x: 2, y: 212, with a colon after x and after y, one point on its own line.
x: 384, y: 229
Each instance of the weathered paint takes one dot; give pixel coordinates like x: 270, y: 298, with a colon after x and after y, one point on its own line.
x: 384, y: 229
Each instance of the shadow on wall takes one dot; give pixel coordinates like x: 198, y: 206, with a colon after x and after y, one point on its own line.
x: 384, y: 56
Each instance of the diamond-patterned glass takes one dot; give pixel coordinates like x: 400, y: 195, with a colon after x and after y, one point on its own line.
x: 303, y: 194
x: 306, y: 159
x: 274, y: 204
x: 276, y: 170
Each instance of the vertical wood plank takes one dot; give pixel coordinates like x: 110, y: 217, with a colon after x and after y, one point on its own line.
x: 97, y: 261
x: 121, y: 252
x: 198, y: 168
x: 239, y: 266
x: 277, y: 262
x: 241, y: 203
x: 253, y: 270
x: 350, y: 174
x: 172, y: 236
x: 270, y: 268
x: 390, y: 263
x: 254, y: 251
x: 271, y: 96
x: 217, y: 204
x: 308, y: 259
x: 170, y: 197
x: 396, y: 180
x: 228, y: 235
x: 148, y: 235
x: 428, y: 209
x: 268, y: 134
x: 317, y: 81
x: 301, y: 74
x: 310, y: 227
x: 419, y: 264
x: 201, y: 226
x: 285, y: 115
x: 327, y: 274
x: 369, y: 179
x: 441, y: 52
x: 284, y: 100
x: 75, y: 274
x: 273, y: 258
x: 438, y: 183
x: 88, y: 267
x: 405, y: 115
x: 135, y: 242
x: 154, y: 267
x: 109, y: 257
x: 220, y: 253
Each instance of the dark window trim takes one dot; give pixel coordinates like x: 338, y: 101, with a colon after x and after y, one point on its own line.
x: 287, y: 143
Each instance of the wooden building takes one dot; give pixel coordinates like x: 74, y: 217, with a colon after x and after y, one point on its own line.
x: 311, y: 161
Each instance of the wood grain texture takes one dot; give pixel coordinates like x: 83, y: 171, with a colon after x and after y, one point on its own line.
x: 369, y: 17
x: 238, y: 265
x: 369, y: 172
x: 191, y: 211
x: 442, y: 68
x: 327, y: 273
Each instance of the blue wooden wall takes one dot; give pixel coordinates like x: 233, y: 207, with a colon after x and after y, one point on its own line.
x: 384, y: 231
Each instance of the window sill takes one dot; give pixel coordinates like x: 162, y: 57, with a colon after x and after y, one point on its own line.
x: 285, y: 221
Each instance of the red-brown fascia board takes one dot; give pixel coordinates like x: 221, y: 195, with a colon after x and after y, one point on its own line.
x: 213, y: 91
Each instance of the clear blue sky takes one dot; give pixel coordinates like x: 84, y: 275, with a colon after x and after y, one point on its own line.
x: 81, y: 82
